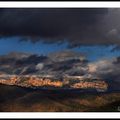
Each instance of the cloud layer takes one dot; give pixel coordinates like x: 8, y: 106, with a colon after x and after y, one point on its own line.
x: 62, y: 63
x: 108, y: 69
x: 79, y: 26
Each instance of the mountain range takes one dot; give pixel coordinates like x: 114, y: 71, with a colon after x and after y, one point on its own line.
x: 58, y: 65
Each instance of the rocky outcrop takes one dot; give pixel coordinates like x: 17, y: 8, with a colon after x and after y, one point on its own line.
x: 50, y: 82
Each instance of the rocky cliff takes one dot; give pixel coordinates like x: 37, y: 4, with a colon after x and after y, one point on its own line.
x: 36, y: 81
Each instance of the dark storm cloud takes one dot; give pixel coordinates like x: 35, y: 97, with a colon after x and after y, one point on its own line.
x: 78, y: 26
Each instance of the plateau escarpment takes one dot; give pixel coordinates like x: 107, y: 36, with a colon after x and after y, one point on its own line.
x: 49, y: 82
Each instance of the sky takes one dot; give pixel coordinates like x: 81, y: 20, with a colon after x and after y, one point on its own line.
x: 93, y: 53
x: 92, y: 31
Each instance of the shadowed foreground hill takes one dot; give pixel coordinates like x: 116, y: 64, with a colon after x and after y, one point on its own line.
x: 17, y: 99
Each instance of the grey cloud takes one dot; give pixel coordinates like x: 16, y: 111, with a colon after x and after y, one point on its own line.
x: 79, y: 26
x: 106, y: 69
x: 39, y: 66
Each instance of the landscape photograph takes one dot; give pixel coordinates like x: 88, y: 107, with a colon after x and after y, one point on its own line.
x: 59, y: 59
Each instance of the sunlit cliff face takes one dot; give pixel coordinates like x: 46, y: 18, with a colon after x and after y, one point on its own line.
x: 45, y: 82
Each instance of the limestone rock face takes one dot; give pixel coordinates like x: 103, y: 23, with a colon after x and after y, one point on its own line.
x: 50, y: 82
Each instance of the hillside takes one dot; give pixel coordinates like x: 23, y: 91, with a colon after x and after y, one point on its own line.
x: 18, y: 99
